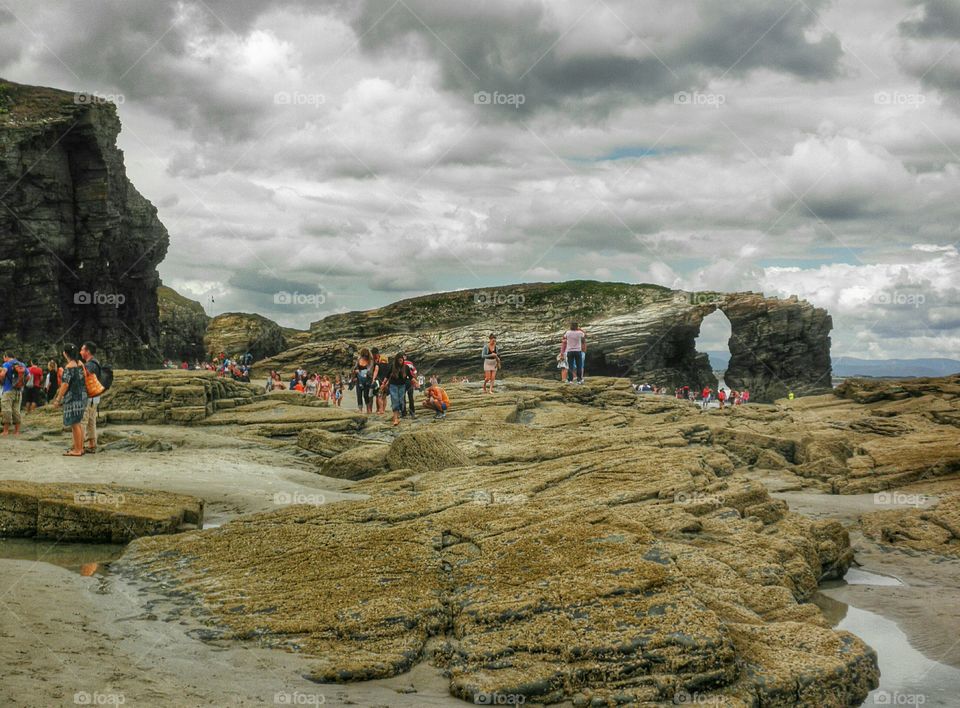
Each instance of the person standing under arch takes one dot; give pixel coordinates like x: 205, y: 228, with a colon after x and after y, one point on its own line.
x: 572, y: 346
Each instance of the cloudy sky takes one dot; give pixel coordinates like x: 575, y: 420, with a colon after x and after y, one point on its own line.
x: 378, y: 149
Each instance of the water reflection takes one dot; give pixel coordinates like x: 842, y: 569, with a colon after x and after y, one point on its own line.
x: 84, y: 558
x: 907, y: 677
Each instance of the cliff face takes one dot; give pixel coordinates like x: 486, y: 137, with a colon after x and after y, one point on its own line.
x: 644, y: 332
x: 81, y: 245
x: 236, y: 333
x: 183, y: 324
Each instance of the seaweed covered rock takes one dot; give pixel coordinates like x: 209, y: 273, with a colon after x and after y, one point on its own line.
x: 108, y: 513
x: 423, y: 450
x: 935, y: 530
x: 171, y: 396
x: 597, y: 562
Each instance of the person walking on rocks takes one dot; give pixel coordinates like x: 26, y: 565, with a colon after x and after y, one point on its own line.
x: 491, y: 362
x: 705, y: 397
x: 364, y: 381
x: 721, y: 397
x: 379, y: 371
x: 572, y: 346
x: 412, y: 384
x: 51, y: 380
x: 397, y: 380
x: 14, y: 379
x: 72, y: 395
x: 88, y: 353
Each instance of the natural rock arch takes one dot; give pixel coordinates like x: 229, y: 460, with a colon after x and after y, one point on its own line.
x: 644, y: 332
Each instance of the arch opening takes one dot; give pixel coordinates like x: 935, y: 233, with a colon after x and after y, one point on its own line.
x: 713, y: 340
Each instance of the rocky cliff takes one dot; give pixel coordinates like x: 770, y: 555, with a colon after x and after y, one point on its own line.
x: 81, y: 245
x: 644, y: 332
x: 183, y: 324
x: 236, y: 333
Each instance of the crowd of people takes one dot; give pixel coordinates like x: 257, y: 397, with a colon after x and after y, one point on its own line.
x: 706, y: 396
x: 377, y: 379
x: 75, y: 386
x: 237, y: 368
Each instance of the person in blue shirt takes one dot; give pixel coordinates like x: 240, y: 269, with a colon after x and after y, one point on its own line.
x: 10, y: 394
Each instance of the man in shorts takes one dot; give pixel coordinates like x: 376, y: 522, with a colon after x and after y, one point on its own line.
x: 10, y: 394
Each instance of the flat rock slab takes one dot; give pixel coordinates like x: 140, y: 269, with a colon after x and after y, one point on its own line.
x: 95, y: 513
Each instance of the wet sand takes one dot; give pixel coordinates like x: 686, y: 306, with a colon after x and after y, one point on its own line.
x: 68, y: 638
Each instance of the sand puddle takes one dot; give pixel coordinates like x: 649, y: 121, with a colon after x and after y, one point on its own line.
x: 907, y: 676
x: 83, y: 558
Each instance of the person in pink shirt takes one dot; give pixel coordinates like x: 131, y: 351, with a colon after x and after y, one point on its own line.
x: 573, y: 346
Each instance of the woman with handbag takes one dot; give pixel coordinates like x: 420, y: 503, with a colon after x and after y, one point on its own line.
x: 72, y: 395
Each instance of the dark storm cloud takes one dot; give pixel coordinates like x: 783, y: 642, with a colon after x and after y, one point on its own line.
x: 940, y: 19
x: 931, y: 46
x: 513, y: 48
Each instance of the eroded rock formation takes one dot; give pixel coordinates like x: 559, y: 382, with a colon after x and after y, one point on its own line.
x: 644, y: 332
x: 581, y: 543
x: 81, y: 245
x: 108, y: 513
x: 171, y: 396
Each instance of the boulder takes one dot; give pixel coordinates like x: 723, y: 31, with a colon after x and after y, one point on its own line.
x: 423, y: 450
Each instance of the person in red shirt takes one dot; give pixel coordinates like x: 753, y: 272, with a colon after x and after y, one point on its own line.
x: 31, y: 392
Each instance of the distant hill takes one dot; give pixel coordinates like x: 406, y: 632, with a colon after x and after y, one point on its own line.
x: 851, y: 366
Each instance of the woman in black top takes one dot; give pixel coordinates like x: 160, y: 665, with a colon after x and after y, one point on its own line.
x: 398, y: 379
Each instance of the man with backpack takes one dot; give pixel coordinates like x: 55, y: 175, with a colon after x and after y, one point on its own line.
x: 14, y: 376
x: 88, y: 353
